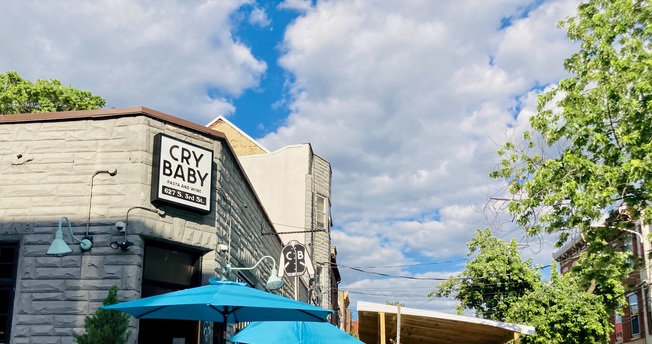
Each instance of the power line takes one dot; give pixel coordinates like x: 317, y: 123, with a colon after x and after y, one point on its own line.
x: 392, y: 295
x: 412, y: 265
x: 420, y: 278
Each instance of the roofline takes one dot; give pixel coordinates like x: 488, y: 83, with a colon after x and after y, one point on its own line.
x: 382, y: 308
x: 239, y: 131
x: 109, y: 113
x: 574, y: 243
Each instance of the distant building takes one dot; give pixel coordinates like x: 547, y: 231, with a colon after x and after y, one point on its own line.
x: 344, y: 312
x: 634, y: 323
x: 354, y: 328
x: 294, y: 185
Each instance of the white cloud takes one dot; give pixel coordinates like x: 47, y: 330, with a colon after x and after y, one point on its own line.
x: 299, y: 5
x: 409, y: 102
x: 259, y: 17
x: 533, y: 48
x: 163, y: 55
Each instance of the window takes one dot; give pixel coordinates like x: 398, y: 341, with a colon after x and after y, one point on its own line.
x: 618, y: 320
x: 633, y: 315
x: 8, y: 260
x: 628, y: 246
x: 320, y: 212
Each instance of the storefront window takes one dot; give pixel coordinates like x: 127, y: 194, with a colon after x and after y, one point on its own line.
x: 8, y: 260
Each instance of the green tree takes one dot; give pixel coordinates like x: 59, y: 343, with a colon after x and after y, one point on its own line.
x: 395, y: 303
x: 493, y: 280
x: 500, y: 286
x: 590, y: 149
x: 562, y: 313
x: 106, y: 326
x: 18, y: 95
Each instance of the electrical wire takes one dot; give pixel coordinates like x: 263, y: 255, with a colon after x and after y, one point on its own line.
x: 417, y: 278
x: 112, y: 173
x: 412, y: 265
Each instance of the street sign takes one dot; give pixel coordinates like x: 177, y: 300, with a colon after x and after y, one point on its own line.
x: 295, y: 260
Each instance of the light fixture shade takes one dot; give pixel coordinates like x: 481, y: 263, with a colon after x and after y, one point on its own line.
x: 58, y: 246
x: 273, y: 282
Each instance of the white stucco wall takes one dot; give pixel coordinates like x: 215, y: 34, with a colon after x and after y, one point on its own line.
x: 279, y: 179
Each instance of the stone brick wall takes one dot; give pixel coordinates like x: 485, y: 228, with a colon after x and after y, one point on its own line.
x: 46, y: 171
x: 321, y: 185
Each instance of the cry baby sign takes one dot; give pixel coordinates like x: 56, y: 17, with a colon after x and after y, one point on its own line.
x: 182, y: 174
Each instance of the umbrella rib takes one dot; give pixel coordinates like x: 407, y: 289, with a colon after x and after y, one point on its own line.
x: 227, y: 311
x: 150, y: 312
x: 312, y: 315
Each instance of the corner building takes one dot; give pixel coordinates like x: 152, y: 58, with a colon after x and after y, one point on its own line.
x: 164, y: 203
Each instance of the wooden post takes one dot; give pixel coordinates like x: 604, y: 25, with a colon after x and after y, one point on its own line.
x: 517, y: 338
x: 381, y: 319
x: 398, y: 324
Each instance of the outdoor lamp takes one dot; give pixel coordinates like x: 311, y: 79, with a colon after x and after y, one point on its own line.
x: 121, y: 245
x: 59, y: 246
x: 273, y: 282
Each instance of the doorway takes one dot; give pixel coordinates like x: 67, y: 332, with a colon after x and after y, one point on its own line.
x: 168, y: 268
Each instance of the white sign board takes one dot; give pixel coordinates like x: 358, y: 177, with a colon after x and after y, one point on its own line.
x: 182, y: 174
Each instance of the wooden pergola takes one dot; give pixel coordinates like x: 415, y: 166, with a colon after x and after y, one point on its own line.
x: 377, y: 324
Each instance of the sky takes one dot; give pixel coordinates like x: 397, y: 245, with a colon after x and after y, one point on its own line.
x: 408, y: 100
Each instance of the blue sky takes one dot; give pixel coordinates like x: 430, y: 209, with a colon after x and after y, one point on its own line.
x: 408, y: 100
x: 261, y: 110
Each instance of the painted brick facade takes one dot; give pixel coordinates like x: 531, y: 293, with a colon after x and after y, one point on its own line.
x: 47, y: 167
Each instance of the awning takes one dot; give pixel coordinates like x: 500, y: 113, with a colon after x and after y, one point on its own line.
x: 377, y: 325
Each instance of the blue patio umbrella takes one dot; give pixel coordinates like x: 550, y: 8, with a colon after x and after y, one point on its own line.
x: 221, y: 301
x: 293, y: 332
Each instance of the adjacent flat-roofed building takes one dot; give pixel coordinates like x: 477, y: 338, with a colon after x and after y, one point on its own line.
x: 294, y: 185
x: 144, y: 200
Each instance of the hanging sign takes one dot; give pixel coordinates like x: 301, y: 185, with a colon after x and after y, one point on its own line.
x: 295, y: 260
x: 182, y: 174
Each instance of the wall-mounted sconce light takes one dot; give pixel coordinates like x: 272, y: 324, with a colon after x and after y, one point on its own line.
x: 59, y: 246
x: 123, y: 227
x: 273, y: 282
x: 121, y: 245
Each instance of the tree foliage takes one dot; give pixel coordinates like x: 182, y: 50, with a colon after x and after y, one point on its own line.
x: 562, y: 313
x: 493, y: 280
x: 18, y: 95
x: 106, y: 326
x: 595, y: 155
x: 395, y: 303
x: 498, y: 285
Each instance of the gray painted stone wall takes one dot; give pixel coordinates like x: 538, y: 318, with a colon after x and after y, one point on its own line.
x: 46, y: 171
x: 321, y: 185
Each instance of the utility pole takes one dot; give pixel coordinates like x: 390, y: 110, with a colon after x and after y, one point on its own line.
x: 645, y: 241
